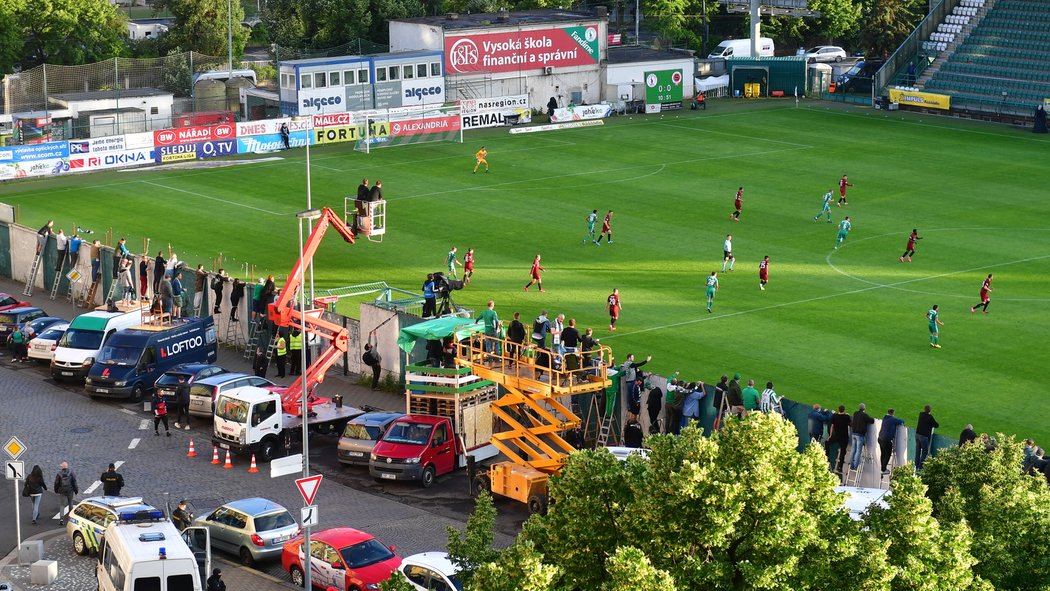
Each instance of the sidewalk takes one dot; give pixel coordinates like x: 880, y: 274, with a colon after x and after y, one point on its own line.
x: 77, y: 573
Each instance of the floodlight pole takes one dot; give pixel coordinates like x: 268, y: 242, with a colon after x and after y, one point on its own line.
x: 308, y: 215
x: 229, y: 35
x: 756, y: 27
x: 637, y: 18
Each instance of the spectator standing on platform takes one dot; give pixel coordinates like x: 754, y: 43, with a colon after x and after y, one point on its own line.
x: 177, y: 294
x: 159, y: 265
x: 74, y: 250
x: 751, y: 396
x: 653, y: 403
x: 96, y: 260
x: 818, y: 418
x: 429, y: 297
x: 859, y: 426
x: 61, y: 247
x: 200, y: 278
x: 217, y: 284
x: 840, y: 435
x: 887, y: 438
x: 516, y: 335
x: 43, y: 234
x: 236, y: 294
x: 143, y: 277
x: 120, y: 252
x: 923, y: 435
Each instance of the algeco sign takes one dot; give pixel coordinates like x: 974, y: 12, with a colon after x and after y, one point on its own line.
x: 423, y: 91
x: 522, y: 50
x: 322, y: 100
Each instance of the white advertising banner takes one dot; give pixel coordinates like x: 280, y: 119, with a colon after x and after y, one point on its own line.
x: 135, y: 141
x: 422, y: 91
x: 500, y: 103
x: 581, y: 112
x: 113, y: 143
x: 316, y: 101
x: 103, y: 160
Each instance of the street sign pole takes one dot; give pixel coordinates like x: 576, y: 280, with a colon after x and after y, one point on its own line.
x: 18, y: 524
x: 308, y: 215
x: 15, y: 471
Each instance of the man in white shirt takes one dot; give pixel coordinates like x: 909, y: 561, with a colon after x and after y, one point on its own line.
x: 727, y: 253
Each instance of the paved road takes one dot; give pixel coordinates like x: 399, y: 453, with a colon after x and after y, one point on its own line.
x: 59, y: 422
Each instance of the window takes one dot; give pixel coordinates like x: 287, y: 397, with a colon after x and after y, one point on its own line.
x: 319, y: 80
x: 220, y: 515
x: 274, y: 521
x: 116, y: 574
x: 348, y: 77
x: 180, y: 583
x: 365, y: 553
x: 362, y: 76
x: 306, y: 81
x: 238, y: 520
x: 435, y: 68
x: 440, y: 435
x: 319, y: 550
x: 421, y: 70
x: 380, y: 74
x: 147, y: 584
x: 395, y: 72
x: 149, y: 356
x: 333, y: 79
x: 261, y: 412
x: 284, y: 80
x: 154, y: 110
x: 409, y: 71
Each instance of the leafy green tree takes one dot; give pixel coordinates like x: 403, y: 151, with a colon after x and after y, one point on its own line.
x: 630, y: 570
x: 1009, y: 512
x: 202, y: 25
x: 11, y: 44
x: 923, y: 554
x: 288, y: 23
x: 177, y: 75
x: 741, y: 510
x: 470, y: 550
x: 887, y: 23
x: 343, y: 21
x: 397, y: 582
x: 69, y: 31
x: 838, y: 19
x: 518, y: 568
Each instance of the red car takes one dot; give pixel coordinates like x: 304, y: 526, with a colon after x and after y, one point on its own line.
x: 342, y: 558
x: 7, y: 302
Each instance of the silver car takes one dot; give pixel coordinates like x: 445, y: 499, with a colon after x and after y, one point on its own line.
x: 361, y: 434
x: 254, y: 529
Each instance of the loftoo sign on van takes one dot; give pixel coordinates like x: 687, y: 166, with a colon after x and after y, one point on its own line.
x: 180, y: 346
x: 522, y: 50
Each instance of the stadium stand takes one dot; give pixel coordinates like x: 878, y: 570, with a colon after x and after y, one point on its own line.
x: 992, y: 56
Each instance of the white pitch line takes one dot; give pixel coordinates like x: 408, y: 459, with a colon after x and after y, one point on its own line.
x: 202, y: 195
x: 143, y: 424
x: 134, y: 443
x: 737, y: 135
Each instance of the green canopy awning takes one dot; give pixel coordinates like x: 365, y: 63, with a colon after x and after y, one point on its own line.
x: 436, y: 329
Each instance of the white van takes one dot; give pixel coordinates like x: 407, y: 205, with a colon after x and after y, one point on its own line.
x: 742, y: 48
x: 143, y: 550
x: 78, y: 348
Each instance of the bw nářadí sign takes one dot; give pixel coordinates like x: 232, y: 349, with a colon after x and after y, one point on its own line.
x: 522, y: 50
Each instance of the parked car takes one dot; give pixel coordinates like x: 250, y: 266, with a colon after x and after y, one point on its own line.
x: 205, y: 391
x: 343, y: 558
x: 12, y: 318
x: 826, y: 53
x: 7, y: 302
x: 858, y: 79
x: 40, y: 324
x: 90, y: 517
x: 360, y: 436
x: 431, y: 571
x: 254, y: 529
x: 165, y: 384
x: 42, y: 346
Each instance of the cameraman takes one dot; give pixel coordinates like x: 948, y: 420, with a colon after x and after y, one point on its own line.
x: 429, y: 297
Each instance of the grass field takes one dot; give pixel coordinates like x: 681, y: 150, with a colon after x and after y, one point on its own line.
x: 843, y: 326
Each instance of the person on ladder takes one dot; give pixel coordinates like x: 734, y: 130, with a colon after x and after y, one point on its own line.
x: 372, y: 359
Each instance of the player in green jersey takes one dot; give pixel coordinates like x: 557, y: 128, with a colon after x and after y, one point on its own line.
x: 844, y: 228
x: 712, y: 287
x: 592, y: 218
x: 934, y: 318
x: 828, y: 198
x: 451, y: 262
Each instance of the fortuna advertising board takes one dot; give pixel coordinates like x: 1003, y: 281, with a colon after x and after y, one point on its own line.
x: 522, y: 50
x: 581, y: 112
x: 190, y: 135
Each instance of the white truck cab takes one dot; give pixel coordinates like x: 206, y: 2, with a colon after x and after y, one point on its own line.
x: 143, y: 550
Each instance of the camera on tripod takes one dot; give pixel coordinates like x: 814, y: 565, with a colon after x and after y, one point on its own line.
x: 443, y: 288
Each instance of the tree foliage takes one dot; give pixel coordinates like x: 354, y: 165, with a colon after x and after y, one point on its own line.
x: 474, y: 548
x: 202, y: 26
x: 397, y: 582
x: 887, y: 23
x: 66, y: 31
x: 10, y: 45
x: 320, y: 24
x: 1009, y: 512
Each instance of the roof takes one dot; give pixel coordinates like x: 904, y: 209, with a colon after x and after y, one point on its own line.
x: 425, y: 419
x: 516, y: 18
x: 97, y: 95
x: 176, y: 325
x: 438, y: 561
x: 376, y: 419
x: 22, y: 310
x: 438, y: 328
x: 256, y: 506
x: 221, y: 378
x: 130, y: 536
x: 340, y: 59
x: 625, y: 54
x: 93, y: 320
x: 132, y: 504
x: 341, y: 537
x: 190, y: 368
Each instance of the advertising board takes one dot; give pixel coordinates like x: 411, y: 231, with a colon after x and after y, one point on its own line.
x: 422, y: 126
x: 105, y: 159
x: 315, y: 101
x: 581, y: 112
x: 423, y: 91
x: 663, y: 90
x: 513, y: 51
x: 34, y: 160
x: 190, y: 135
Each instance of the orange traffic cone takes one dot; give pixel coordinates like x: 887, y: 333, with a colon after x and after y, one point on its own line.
x: 215, y: 455
x: 192, y: 453
x: 253, y: 468
x: 228, y: 465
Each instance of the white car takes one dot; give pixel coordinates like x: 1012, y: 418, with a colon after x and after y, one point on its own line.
x: 826, y: 53
x: 43, y: 346
x: 431, y: 571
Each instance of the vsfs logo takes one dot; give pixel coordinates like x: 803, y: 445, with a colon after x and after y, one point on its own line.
x: 422, y: 92
x: 318, y: 103
x: 463, y: 54
x: 180, y: 346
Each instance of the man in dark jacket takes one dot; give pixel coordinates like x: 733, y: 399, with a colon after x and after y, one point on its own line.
x: 66, y: 487
x: 967, y: 435
x: 735, y: 397
x: 112, y: 482
x: 653, y: 404
x: 839, y: 435
x: 236, y: 293
x: 887, y: 437
x: 923, y: 434
x: 859, y: 427
x: 260, y: 363
x: 516, y: 335
x: 181, y: 516
x: 372, y: 359
x: 818, y: 418
x: 182, y: 403
x: 632, y: 433
x: 215, y: 582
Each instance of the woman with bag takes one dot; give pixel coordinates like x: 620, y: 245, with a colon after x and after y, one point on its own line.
x: 34, y: 489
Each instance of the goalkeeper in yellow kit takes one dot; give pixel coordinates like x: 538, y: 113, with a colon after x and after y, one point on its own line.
x: 480, y: 157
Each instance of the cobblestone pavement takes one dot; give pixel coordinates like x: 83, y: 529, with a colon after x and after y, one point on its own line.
x: 60, y: 422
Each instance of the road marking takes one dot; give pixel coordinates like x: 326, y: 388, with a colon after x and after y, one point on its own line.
x: 93, y: 486
x: 202, y: 195
x: 134, y: 443
x: 126, y: 411
x: 143, y: 424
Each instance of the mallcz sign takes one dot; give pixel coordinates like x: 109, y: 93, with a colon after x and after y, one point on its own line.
x: 522, y: 50
x: 190, y: 135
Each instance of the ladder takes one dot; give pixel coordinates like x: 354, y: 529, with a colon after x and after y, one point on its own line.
x: 253, y: 331
x: 852, y: 477
x: 89, y: 299
x: 235, y: 334
x: 58, y: 282
x: 609, y: 429
x: 272, y: 347
x: 112, y: 289
x: 31, y: 276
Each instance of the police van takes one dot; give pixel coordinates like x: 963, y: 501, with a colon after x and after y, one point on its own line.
x: 134, y: 358
x: 78, y: 348
x: 143, y: 550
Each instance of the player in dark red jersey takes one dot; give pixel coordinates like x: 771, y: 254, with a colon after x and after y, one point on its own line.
x: 468, y: 264
x: 986, y: 289
x: 534, y: 273
x: 842, y: 190
x: 606, y: 228
x: 614, y: 308
x: 910, y: 249
x: 738, y: 204
x: 763, y: 273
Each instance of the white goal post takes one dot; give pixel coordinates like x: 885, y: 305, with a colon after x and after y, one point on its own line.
x: 409, y: 125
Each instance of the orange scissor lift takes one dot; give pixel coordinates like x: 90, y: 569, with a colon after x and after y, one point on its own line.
x: 533, y: 410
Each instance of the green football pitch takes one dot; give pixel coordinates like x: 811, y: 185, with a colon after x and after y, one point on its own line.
x: 833, y: 326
